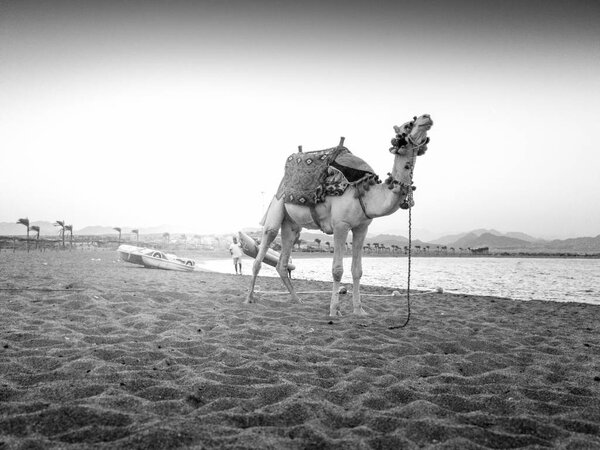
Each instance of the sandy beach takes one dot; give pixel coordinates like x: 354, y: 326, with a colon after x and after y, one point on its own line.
x: 99, y: 353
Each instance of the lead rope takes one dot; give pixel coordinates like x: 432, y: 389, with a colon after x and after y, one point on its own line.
x: 409, y: 259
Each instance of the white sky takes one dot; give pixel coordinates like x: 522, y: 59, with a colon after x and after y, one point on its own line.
x: 150, y: 113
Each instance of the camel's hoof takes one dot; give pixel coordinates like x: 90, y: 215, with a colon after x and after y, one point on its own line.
x: 360, y: 312
x: 335, y: 314
x: 249, y: 299
x: 296, y: 299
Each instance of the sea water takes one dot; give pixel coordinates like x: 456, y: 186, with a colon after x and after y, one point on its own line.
x: 553, y: 279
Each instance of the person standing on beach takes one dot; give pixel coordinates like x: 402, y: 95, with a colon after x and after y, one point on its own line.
x: 236, y: 253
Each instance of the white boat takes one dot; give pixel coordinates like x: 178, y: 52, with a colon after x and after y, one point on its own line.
x: 160, y: 260
x: 155, y: 259
x: 133, y: 254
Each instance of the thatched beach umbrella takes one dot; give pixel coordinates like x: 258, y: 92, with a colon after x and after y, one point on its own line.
x: 69, y: 228
x: 25, y: 222
x: 37, y: 236
x: 61, y: 224
x: 118, y: 230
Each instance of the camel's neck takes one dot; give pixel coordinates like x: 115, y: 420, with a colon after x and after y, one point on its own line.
x: 380, y: 200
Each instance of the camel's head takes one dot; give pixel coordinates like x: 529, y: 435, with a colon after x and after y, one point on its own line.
x: 412, y: 134
x: 411, y: 141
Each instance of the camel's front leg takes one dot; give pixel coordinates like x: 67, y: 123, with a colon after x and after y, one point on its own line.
x: 268, y: 236
x: 289, y: 234
x: 271, y: 224
x: 358, y: 239
x: 340, y: 233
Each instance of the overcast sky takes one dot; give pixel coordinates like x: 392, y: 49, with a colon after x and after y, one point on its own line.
x: 139, y: 113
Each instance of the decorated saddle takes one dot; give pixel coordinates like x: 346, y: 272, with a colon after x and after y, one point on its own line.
x: 311, y: 176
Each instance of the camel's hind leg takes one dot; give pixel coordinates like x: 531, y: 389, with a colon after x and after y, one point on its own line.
x: 271, y: 223
x: 289, y: 234
x: 358, y: 238
x: 340, y: 233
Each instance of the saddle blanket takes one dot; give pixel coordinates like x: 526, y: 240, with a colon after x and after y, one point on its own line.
x: 311, y: 176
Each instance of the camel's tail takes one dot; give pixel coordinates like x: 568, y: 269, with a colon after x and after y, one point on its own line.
x: 264, y: 218
x: 274, y: 214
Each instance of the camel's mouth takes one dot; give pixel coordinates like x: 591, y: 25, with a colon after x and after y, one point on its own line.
x: 426, y: 125
x: 424, y: 122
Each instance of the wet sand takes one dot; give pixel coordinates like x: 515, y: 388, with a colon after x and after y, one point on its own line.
x: 99, y: 353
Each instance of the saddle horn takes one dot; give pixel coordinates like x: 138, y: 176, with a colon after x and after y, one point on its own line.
x: 342, y: 138
x: 300, y: 149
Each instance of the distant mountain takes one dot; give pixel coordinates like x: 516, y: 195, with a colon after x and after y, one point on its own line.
x: 452, y: 238
x: 97, y: 230
x: 388, y: 239
x: 481, y: 231
x: 494, y: 242
x: 449, y: 239
x: 419, y: 233
x: 581, y: 245
x: 522, y: 236
x: 160, y: 229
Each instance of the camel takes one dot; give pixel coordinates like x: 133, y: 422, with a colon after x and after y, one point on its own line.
x: 354, y: 211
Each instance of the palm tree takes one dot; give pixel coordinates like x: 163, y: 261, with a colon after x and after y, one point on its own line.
x: 167, y: 237
x: 61, y: 224
x: 37, y: 236
x: 137, y: 234
x: 328, y: 245
x: 318, y: 241
x: 25, y: 222
x: 118, y: 230
x: 69, y: 228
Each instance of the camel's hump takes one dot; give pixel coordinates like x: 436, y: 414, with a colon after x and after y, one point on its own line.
x: 305, y: 179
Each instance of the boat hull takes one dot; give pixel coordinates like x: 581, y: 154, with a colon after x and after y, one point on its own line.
x: 166, y: 264
x: 250, y: 248
x: 132, y: 254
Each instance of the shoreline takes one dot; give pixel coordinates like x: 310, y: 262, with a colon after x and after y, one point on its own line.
x: 123, y: 357
x: 224, y: 253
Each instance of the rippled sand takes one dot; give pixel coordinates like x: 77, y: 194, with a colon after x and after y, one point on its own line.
x: 118, y: 356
